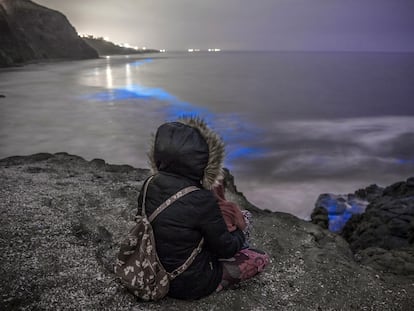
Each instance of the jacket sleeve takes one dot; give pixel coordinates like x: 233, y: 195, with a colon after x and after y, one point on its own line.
x: 214, y: 230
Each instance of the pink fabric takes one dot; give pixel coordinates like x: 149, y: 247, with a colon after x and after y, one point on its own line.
x: 244, y: 265
x: 231, y: 212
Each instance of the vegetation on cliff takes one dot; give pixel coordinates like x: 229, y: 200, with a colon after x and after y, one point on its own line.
x: 104, y: 47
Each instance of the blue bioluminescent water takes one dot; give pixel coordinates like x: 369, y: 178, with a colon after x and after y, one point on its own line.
x: 119, y: 94
x: 405, y: 161
x: 236, y: 133
x: 339, y: 212
x: 340, y: 208
x: 295, y: 124
x: 141, y: 62
x: 132, y: 91
x: 240, y: 152
x: 337, y: 222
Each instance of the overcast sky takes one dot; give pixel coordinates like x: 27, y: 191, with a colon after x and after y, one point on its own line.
x: 371, y: 25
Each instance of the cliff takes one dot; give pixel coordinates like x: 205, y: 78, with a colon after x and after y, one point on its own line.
x: 30, y: 32
x: 62, y: 220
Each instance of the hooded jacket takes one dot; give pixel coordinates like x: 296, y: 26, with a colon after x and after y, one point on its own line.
x: 187, y: 153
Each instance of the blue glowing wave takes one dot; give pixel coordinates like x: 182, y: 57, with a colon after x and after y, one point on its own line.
x: 140, y: 62
x: 404, y: 161
x: 339, y: 215
x: 236, y: 137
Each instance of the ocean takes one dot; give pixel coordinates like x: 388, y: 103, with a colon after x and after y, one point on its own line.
x: 296, y: 124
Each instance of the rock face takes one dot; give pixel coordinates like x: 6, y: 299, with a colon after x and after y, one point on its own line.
x: 380, y: 235
x: 383, y: 236
x: 62, y: 220
x: 333, y: 211
x: 32, y: 32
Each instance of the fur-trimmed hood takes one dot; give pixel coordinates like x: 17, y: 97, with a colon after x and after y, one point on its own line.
x: 188, y: 147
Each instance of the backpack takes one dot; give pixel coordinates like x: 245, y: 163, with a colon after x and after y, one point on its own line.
x: 137, y: 264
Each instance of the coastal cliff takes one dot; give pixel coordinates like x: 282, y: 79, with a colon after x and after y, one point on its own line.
x: 30, y: 32
x: 63, y: 218
x: 104, y: 47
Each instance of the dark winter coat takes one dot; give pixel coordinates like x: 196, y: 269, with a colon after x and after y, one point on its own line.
x: 187, y: 153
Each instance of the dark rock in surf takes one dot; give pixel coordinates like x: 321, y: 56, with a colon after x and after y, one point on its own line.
x: 382, y: 236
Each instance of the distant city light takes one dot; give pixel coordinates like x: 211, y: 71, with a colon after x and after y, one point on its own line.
x: 193, y: 50
x: 214, y: 50
x: 124, y: 45
x: 163, y: 51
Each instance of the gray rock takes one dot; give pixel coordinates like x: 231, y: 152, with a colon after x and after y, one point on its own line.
x: 383, y: 237
x: 398, y: 261
x: 400, y: 189
x: 369, y: 193
x: 32, y: 32
x: 386, y: 223
x: 320, y: 217
x: 61, y: 226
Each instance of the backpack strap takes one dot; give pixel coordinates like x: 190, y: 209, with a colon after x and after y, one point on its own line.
x: 161, y: 208
x: 170, y: 201
x: 145, y: 194
x: 188, y: 262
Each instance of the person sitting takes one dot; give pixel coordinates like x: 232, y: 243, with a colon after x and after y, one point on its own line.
x: 188, y: 153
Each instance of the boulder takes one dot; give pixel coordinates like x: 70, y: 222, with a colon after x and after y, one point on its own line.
x: 383, y: 236
x: 320, y: 217
x: 380, y: 230
x: 387, y: 222
x: 369, y: 193
x: 397, y: 261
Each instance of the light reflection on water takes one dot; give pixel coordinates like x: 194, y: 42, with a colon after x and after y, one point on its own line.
x: 285, y: 145
x: 235, y: 135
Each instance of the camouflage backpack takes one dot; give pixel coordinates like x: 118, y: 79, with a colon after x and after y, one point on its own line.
x: 137, y: 263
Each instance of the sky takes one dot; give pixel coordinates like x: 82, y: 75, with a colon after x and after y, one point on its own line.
x: 304, y: 25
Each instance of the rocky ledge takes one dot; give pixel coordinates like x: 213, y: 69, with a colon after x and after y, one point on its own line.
x: 62, y: 220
